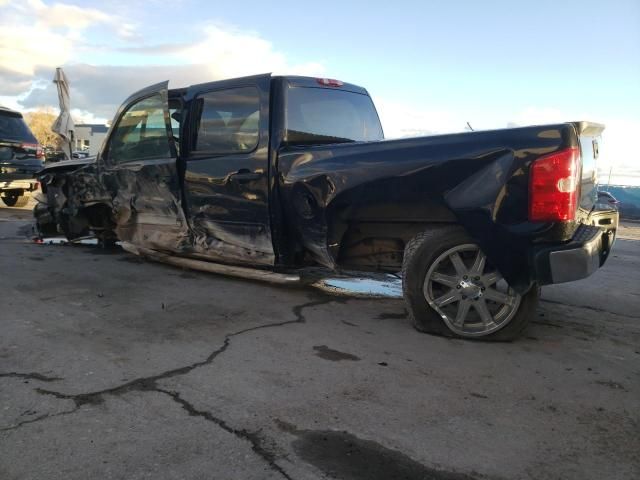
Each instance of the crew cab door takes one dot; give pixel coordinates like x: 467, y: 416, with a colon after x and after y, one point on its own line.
x: 138, y: 167
x: 226, y: 180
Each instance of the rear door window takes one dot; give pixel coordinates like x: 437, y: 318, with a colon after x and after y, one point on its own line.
x: 227, y: 121
x: 13, y: 127
x: 322, y: 115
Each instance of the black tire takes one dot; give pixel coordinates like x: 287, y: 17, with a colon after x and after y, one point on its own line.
x: 45, y: 226
x: 17, y: 201
x: 419, y: 255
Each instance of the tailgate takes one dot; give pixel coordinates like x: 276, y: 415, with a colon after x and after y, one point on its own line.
x: 589, y: 136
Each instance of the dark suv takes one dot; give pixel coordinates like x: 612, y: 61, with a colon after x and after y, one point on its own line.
x: 21, y: 157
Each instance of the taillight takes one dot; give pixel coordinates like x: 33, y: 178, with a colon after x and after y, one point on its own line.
x: 35, y: 148
x: 329, y: 82
x: 553, y: 186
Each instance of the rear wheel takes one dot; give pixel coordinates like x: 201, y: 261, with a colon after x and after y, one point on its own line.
x: 452, y: 289
x: 15, y: 200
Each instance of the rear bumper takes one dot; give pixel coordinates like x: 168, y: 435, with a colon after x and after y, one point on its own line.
x: 587, y: 251
x: 29, y: 185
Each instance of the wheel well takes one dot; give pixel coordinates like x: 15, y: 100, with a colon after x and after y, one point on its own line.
x: 377, y: 246
x: 99, y: 216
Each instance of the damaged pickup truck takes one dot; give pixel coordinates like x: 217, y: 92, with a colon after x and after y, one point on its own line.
x: 267, y: 176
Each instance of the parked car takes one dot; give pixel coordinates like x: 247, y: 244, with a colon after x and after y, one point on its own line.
x: 607, y: 198
x: 80, y: 154
x: 21, y: 157
x: 54, y: 154
x: 266, y: 176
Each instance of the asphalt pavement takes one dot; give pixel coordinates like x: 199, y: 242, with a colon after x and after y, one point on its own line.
x: 112, y: 367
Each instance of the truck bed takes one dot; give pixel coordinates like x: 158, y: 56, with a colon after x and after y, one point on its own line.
x: 333, y: 193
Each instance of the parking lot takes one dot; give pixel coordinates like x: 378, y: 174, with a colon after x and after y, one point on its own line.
x: 114, y: 367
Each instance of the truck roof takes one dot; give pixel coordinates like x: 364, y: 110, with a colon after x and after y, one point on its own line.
x: 14, y: 113
x: 293, y: 80
x: 298, y: 81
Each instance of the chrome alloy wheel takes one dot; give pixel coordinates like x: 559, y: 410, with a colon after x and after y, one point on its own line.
x: 471, y: 297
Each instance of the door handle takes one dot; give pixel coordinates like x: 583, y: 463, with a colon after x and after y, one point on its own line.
x: 244, y: 175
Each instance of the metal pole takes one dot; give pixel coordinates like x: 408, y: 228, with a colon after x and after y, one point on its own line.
x: 71, y: 142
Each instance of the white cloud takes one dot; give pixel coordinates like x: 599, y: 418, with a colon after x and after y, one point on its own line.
x: 28, y: 56
x: 220, y: 52
x: 82, y: 116
x: 618, y: 140
x: 619, y: 152
x: 539, y: 116
x: 402, y: 120
x: 231, y: 53
x: 67, y: 16
x: 23, y: 49
x: 33, y: 34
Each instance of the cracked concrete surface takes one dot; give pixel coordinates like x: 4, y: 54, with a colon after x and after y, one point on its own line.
x: 111, y: 367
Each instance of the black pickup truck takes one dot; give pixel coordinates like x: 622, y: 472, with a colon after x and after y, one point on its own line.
x: 266, y: 176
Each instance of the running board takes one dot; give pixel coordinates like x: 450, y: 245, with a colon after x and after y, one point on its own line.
x: 210, y: 267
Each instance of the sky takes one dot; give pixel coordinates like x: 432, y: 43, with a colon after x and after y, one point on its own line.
x: 430, y: 66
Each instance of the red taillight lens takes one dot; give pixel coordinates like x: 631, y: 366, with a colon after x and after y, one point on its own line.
x: 34, y: 148
x: 553, y: 186
x: 330, y: 82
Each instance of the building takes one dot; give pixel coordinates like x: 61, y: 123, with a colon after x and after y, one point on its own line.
x: 89, y: 137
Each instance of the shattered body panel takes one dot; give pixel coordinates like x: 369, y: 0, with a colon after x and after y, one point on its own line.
x: 155, y: 218
x: 68, y: 189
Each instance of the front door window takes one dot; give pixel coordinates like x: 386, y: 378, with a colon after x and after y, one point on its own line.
x: 141, y: 132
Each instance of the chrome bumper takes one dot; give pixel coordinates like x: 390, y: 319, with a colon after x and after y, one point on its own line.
x: 30, y: 185
x: 587, y: 251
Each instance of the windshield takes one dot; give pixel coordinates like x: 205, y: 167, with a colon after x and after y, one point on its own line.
x: 322, y: 115
x: 13, y: 127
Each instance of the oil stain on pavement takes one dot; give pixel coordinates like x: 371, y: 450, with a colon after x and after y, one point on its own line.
x: 347, y: 457
x: 334, y: 355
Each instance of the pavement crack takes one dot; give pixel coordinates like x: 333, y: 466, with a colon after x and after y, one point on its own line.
x: 587, y: 307
x: 252, y: 437
x: 145, y: 384
x: 38, y: 419
x: 30, y: 376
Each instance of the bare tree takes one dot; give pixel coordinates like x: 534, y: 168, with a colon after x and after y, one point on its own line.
x: 40, y: 122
